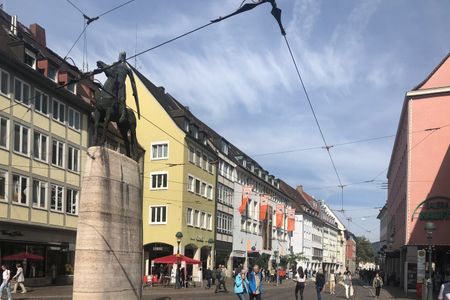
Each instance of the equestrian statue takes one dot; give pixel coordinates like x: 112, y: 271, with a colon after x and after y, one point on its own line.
x: 110, y: 104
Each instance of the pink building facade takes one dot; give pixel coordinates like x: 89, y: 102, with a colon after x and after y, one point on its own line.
x: 419, y: 180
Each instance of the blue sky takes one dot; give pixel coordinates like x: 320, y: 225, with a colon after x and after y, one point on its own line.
x: 357, y: 58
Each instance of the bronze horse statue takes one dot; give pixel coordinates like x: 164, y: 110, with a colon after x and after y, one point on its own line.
x: 110, y: 105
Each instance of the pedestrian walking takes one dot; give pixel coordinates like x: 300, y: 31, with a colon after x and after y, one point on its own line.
x: 208, y: 277
x: 300, y: 279
x: 20, y: 279
x: 241, y: 286
x: 214, y: 276
x: 320, y: 283
x: 332, y: 282
x: 377, y: 284
x: 444, y: 293
x: 220, y: 277
x: 348, y: 284
x: 6, y: 284
x: 255, y: 283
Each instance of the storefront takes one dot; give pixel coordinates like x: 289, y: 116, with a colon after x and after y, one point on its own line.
x: 153, y: 251
x: 223, y: 252
x: 54, y: 247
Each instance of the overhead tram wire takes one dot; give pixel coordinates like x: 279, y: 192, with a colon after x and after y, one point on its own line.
x: 89, y: 20
x: 327, y: 147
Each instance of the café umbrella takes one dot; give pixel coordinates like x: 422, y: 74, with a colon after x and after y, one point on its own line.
x: 173, y: 259
x: 22, y: 256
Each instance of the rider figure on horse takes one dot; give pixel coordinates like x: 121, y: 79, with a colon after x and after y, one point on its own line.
x: 119, y: 71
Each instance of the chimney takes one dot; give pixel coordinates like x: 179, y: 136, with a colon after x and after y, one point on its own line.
x: 300, y: 188
x: 38, y: 34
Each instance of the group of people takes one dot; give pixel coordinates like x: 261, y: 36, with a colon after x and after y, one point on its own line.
x: 249, y: 283
x: 7, y: 278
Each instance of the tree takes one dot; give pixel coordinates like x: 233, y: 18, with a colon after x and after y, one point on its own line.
x: 263, y: 261
x: 291, y: 259
x: 364, y: 250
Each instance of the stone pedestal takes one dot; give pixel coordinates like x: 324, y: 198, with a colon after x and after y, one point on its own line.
x: 108, y: 257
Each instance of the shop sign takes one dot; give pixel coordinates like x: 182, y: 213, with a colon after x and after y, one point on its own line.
x: 433, y: 209
x: 420, y: 265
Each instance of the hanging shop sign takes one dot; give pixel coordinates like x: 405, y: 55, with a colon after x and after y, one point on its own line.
x: 433, y: 209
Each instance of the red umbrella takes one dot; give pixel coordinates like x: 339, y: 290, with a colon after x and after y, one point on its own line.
x: 23, y: 255
x: 173, y: 259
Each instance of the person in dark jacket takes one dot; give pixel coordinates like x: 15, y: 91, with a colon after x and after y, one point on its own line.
x: 208, y: 277
x: 320, y: 283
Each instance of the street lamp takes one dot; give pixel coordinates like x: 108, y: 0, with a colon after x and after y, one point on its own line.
x: 275, y: 253
x: 179, y: 236
x: 429, y: 228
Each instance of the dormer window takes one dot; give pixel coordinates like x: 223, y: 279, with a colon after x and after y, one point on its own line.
x: 52, y: 73
x: 244, y: 163
x: 72, y: 87
x: 194, y: 131
x: 259, y: 173
x: 252, y: 168
x: 186, y: 125
x: 30, y: 58
x: 224, y: 147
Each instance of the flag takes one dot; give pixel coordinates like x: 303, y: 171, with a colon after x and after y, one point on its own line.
x: 291, y: 220
x: 280, y: 215
x: 264, y: 203
x: 246, y: 193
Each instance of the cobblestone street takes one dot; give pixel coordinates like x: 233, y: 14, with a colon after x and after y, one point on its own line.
x: 284, y: 291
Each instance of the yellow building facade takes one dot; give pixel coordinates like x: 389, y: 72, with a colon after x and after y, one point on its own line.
x: 43, y: 136
x: 179, y: 180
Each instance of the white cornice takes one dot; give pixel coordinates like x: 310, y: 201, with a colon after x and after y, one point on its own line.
x: 428, y: 91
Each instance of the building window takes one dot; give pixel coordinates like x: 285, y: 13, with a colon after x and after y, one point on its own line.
x: 21, y: 92
x: 191, y: 155
x: 198, y: 158
x: 194, y: 131
x: 73, y: 119
x: 40, y: 146
x: 21, y: 139
x: 190, y: 217
x: 203, y: 220
x: 225, y: 223
x: 72, y: 202
x: 20, y: 185
x: 209, y: 221
x: 56, y: 203
x: 196, y: 218
x: 158, y: 214
x: 59, y: 111
x: 72, y: 87
x: 224, y: 147
x: 203, y: 190
x: 52, y: 72
x: 3, y: 132
x: 58, y: 153
x: 4, y: 83
x: 160, y: 151
x: 30, y: 58
x: 209, y: 192
x: 41, y: 102
x: 191, y: 187
x: 197, y: 186
x: 73, y: 161
x: 158, y: 181
x: 39, y: 194
x: 210, y: 167
x: 3, y: 186
x: 204, y: 162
